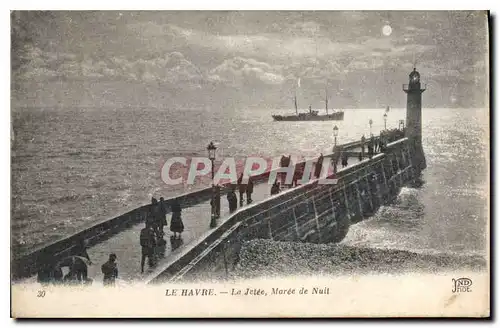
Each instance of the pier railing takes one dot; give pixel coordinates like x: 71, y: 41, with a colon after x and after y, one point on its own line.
x: 406, y: 87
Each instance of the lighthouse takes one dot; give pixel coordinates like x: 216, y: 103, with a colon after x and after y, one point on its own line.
x: 413, y: 132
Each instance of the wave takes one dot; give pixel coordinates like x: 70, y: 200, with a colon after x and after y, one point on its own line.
x: 70, y: 198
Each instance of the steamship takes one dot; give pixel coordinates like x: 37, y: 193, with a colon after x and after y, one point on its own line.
x: 312, y: 115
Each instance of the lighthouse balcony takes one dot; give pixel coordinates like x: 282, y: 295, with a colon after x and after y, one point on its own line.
x: 407, y: 87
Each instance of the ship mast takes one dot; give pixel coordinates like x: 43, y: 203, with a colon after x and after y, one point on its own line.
x: 326, y: 100
x: 295, y: 101
x: 298, y: 86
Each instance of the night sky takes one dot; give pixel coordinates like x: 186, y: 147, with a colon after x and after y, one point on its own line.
x: 248, y: 59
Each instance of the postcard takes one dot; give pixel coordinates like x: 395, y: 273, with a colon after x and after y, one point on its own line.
x: 260, y: 164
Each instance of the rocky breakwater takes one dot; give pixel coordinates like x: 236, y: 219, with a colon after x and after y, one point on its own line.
x: 267, y: 258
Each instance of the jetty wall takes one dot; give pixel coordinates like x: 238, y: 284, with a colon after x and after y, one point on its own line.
x: 314, y: 212
x: 26, y: 265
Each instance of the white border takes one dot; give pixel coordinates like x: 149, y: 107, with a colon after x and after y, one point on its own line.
x: 214, y: 4
x: 254, y: 5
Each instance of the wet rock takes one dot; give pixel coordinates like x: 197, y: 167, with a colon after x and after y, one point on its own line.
x: 264, y: 257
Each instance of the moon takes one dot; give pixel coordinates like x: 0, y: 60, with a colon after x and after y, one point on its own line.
x: 386, y: 30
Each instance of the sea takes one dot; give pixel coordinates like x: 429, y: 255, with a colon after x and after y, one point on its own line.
x: 74, y: 167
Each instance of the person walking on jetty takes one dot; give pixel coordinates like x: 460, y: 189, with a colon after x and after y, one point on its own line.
x: 163, y: 215
x: 373, y: 144
x: 154, y: 216
x: 110, y: 271
x: 275, y: 189
x: 370, y: 151
x: 249, y: 190
x: 77, y: 270
x: 382, y: 143
x: 319, y: 166
x: 335, y: 158
x: 148, y: 244
x: 242, y: 188
x: 363, y: 141
x: 80, y: 250
x: 284, y: 162
x: 232, y: 199
x: 217, y: 201
x: 298, y: 173
x: 176, y: 224
x: 49, y: 273
x: 345, y: 158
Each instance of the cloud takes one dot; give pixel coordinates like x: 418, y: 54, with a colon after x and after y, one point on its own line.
x: 171, y: 68
x: 209, y: 49
x: 238, y: 70
x: 281, y: 46
x: 306, y: 28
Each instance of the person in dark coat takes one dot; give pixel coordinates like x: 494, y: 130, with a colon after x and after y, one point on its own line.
x: 148, y: 244
x: 275, y: 189
x: 337, y: 153
x: 232, y: 200
x: 110, y: 271
x: 163, y: 215
x: 363, y: 141
x: 242, y: 188
x: 249, y: 190
x: 381, y: 144
x: 81, y: 250
x: 176, y: 224
x: 298, y: 173
x: 154, y: 216
x: 345, y: 157
x: 50, y: 272
x: 77, y: 266
x: 284, y: 162
x: 370, y: 150
x: 217, y: 201
x: 319, y: 166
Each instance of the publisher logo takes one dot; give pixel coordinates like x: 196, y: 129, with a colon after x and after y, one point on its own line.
x: 461, y: 285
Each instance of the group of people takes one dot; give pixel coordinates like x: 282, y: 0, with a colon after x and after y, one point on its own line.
x: 151, y: 240
x: 380, y: 145
x: 244, y: 189
x: 77, y: 263
x: 373, y: 146
x: 286, y: 161
x: 152, y: 235
x: 298, y: 172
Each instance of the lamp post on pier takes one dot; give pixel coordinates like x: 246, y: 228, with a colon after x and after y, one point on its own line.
x: 211, y: 155
x: 335, y: 156
x: 385, y: 121
x: 335, y: 134
x: 370, y: 122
